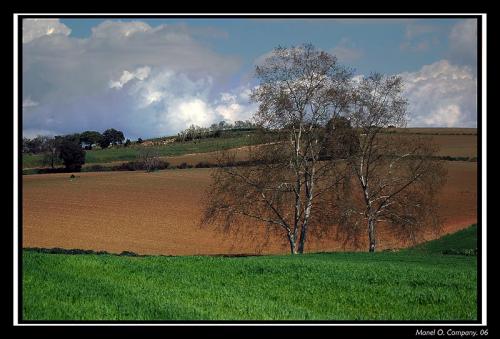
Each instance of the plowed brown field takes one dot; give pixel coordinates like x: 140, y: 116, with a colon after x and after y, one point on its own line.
x: 158, y: 213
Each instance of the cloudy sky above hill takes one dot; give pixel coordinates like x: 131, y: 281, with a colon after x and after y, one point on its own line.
x: 155, y: 77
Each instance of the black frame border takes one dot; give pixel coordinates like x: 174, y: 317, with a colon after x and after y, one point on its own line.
x: 218, y: 324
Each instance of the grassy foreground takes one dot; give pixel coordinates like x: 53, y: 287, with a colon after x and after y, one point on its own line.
x: 406, y: 285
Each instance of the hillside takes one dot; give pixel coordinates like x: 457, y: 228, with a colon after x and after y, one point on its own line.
x: 119, y: 154
x: 461, y: 242
x: 454, y: 144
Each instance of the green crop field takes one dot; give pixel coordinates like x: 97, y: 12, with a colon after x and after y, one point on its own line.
x: 461, y: 241
x: 406, y: 285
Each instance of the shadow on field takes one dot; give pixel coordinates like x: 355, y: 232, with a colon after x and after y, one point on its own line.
x: 76, y: 251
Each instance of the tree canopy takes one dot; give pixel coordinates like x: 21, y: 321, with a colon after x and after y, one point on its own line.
x: 71, y: 153
x: 327, y: 163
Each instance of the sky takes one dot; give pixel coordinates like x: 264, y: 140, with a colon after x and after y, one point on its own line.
x: 155, y: 77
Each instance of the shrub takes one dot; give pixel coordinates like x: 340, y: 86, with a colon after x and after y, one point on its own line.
x: 461, y: 251
x: 45, y: 170
x: 75, y: 251
x: 128, y: 166
x: 161, y: 165
x: 72, y: 155
x: 128, y: 254
x: 97, y: 168
x: 204, y: 164
x: 30, y: 171
x: 149, y: 159
x: 140, y: 166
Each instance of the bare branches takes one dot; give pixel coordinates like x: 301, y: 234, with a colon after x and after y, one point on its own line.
x: 149, y: 158
x: 300, y: 90
x: 327, y: 161
x: 397, y: 178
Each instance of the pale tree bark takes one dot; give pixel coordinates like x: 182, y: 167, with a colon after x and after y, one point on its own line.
x: 371, y: 235
x: 300, y: 90
x: 397, y: 178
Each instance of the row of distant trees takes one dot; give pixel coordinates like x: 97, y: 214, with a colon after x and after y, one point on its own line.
x: 70, y: 149
x: 215, y: 130
x: 86, y: 139
x: 58, y: 150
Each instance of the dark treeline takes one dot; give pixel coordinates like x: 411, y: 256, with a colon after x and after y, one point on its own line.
x: 86, y: 139
x: 70, y: 149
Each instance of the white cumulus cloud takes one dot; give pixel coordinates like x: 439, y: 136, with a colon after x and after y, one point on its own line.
x: 139, y: 74
x: 463, y: 42
x: 236, y: 105
x: 118, y: 29
x: 146, y: 81
x: 168, y: 101
x: 36, y: 28
x: 442, y: 95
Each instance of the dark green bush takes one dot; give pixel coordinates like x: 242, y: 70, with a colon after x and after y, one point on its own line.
x: 97, y: 168
x: 461, y: 251
x: 204, y: 164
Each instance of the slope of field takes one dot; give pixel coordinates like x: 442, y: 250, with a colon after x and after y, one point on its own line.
x: 453, y: 142
x: 463, y: 240
x: 159, y: 213
x: 337, y: 286
x: 457, y: 146
x: 121, y: 154
x: 434, y: 130
x: 449, y: 145
x: 241, y: 153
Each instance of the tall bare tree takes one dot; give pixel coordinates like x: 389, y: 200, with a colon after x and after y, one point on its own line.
x: 51, y: 155
x: 396, y: 178
x: 300, y: 90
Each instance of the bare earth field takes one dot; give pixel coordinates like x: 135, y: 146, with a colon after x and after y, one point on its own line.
x: 436, y: 130
x: 456, y: 145
x: 158, y: 213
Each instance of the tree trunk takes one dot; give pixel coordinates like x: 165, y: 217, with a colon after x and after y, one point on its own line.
x: 303, y: 234
x: 293, y: 244
x: 371, y: 234
x: 309, y: 193
x: 303, y: 230
x: 52, y: 156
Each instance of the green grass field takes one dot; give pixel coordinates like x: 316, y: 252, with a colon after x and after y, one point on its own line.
x: 130, y: 153
x: 461, y: 241
x: 406, y: 285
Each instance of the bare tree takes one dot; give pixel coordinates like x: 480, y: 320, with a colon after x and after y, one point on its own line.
x: 300, y: 90
x: 395, y: 177
x: 51, y: 154
x: 149, y: 158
